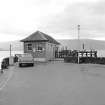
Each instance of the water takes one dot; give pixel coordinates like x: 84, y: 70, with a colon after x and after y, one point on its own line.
x: 4, y: 54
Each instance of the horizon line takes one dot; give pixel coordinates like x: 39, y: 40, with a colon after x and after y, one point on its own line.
x: 64, y: 39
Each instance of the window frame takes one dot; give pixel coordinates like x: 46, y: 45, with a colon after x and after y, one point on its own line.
x: 29, y: 45
x: 38, y: 48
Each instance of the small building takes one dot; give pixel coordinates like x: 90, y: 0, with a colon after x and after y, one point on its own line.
x: 41, y: 46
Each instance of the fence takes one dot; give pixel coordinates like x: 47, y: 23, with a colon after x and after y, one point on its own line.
x: 65, y: 53
x: 74, y: 53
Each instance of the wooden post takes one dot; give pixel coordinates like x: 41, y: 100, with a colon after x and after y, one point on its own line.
x: 86, y: 54
x: 83, y: 46
x: 10, y: 50
x: 82, y: 53
x: 78, y: 41
x: 11, y: 59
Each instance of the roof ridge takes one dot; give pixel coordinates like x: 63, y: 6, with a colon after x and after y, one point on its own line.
x: 40, y: 36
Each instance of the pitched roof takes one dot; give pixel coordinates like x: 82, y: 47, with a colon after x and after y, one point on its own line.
x: 39, y: 36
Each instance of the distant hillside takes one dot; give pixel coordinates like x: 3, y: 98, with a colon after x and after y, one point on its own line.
x: 16, y: 46
x: 71, y: 44
x: 88, y: 44
x: 1, y: 49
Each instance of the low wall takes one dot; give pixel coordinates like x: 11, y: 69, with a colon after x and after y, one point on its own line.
x: 93, y: 60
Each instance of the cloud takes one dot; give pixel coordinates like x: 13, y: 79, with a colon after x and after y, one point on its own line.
x: 98, y: 8
x: 90, y: 15
x: 56, y: 17
x: 9, y: 37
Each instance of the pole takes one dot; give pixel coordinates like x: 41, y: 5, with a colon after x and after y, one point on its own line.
x: 78, y: 41
x: 10, y: 50
x: 83, y: 46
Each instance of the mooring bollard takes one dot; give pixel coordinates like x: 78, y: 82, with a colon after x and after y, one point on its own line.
x: 11, y: 61
x: 2, y: 71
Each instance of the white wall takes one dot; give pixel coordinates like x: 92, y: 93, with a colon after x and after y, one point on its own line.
x: 50, y: 51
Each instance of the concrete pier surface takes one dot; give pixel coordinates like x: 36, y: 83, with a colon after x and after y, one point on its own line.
x: 54, y: 83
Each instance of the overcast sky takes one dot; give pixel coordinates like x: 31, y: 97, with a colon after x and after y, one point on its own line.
x: 58, y: 18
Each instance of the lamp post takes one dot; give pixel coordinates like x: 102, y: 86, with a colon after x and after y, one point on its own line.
x: 10, y: 50
x: 78, y: 41
x: 11, y: 58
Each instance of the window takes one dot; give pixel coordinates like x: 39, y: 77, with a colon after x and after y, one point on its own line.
x: 29, y: 47
x: 40, y: 48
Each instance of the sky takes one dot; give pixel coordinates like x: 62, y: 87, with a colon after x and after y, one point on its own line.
x: 57, y: 18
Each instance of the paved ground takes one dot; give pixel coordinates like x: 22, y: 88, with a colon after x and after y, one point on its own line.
x: 55, y: 83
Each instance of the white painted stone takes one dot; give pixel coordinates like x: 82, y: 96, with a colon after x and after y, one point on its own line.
x: 11, y: 60
x: 40, y: 59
